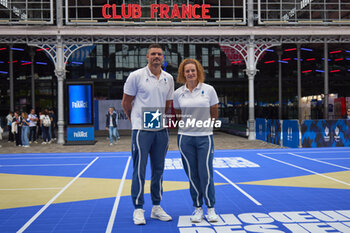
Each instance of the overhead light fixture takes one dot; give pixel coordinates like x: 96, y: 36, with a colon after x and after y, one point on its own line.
x: 306, y: 71
x: 17, y: 49
x: 293, y: 49
x: 306, y: 49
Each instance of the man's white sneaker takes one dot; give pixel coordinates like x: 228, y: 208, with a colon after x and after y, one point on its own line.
x: 212, y: 216
x: 111, y: 144
x: 139, y: 217
x: 159, y: 213
x: 197, y: 215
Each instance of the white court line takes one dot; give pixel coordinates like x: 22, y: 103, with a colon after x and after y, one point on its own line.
x: 307, y: 152
x: 70, y: 157
x: 69, y: 153
x: 316, y: 160
x: 238, y: 188
x: 29, y: 189
x: 116, y: 202
x: 304, y: 169
x: 43, y: 165
x: 30, y: 221
x: 332, y: 158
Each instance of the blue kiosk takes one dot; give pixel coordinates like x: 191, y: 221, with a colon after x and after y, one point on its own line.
x: 80, y: 120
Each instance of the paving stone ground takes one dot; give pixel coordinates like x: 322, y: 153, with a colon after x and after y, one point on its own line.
x: 222, y: 141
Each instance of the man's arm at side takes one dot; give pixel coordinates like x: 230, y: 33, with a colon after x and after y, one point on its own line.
x: 168, y: 105
x: 214, y: 111
x: 126, y: 104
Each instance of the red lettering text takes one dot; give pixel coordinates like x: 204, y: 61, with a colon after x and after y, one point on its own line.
x: 194, y: 7
x: 164, y: 10
x: 136, y: 11
x: 175, y: 12
x: 126, y: 16
x: 154, y: 9
x: 186, y: 12
x: 205, y: 10
x: 114, y: 12
x: 104, y: 11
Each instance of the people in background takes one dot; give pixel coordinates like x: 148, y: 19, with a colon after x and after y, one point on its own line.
x: 33, y: 121
x: 45, y: 123
x: 9, y: 119
x: 25, y: 129
x: 112, y: 125
x: 53, y: 124
x: 40, y: 131
x: 16, y: 128
x: 347, y: 114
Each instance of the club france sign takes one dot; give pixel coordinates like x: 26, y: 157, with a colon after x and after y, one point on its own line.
x: 164, y: 11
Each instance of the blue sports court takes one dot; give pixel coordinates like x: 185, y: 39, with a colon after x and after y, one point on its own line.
x: 267, y: 190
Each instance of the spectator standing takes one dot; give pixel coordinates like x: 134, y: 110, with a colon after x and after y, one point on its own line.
x: 112, y: 125
x: 16, y: 128
x: 347, y: 114
x: 53, y: 124
x: 25, y: 129
x: 45, y: 123
x: 33, y: 121
x: 9, y: 119
x: 40, y: 131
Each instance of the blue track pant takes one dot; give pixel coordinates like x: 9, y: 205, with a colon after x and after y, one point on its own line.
x: 154, y: 143
x: 197, y: 154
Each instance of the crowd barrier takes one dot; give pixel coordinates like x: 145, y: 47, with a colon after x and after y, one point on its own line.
x: 325, y: 133
x: 310, y: 133
x: 273, y: 131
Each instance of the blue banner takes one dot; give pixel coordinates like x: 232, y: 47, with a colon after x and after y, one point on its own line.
x: 80, y: 134
x: 273, y: 131
x: 80, y: 104
x: 290, y: 133
x: 325, y: 133
x: 260, y: 129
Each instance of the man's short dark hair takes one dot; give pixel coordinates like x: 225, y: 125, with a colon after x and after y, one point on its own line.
x: 155, y: 46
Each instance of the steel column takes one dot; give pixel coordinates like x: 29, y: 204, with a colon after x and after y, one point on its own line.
x: 251, y: 71
x: 32, y: 53
x: 299, y: 82
x: 280, y: 105
x: 12, y: 95
x: 326, y: 75
x: 60, y: 73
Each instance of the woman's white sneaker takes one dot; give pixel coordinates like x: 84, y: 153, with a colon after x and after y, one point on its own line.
x: 197, y: 215
x: 139, y: 217
x: 212, y: 216
x: 159, y: 213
